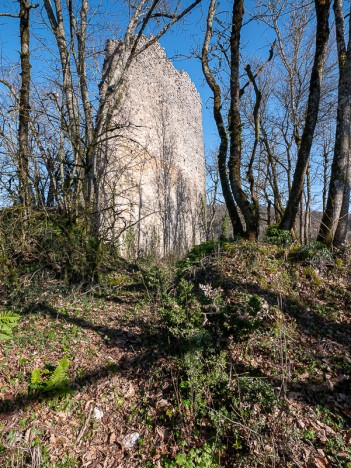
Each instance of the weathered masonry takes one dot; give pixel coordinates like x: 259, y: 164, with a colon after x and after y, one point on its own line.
x: 154, y: 153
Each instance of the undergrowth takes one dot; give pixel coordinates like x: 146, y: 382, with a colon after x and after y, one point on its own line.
x: 211, y: 313
x: 236, y: 355
x: 50, y: 380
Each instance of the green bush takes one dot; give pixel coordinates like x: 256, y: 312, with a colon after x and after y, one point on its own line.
x: 51, y: 243
x: 255, y: 303
x: 253, y: 392
x: 182, y: 314
x: 195, y: 255
x: 316, y: 253
x: 156, y: 279
x: 277, y: 236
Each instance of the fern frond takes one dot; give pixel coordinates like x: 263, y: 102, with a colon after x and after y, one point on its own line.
x: 8, y: 320
x: 50, y: 382
x: 59, y: 375
x: 4, y: 337
x: 35, y: 377
x: 6, y: 329
x: 8, y: 317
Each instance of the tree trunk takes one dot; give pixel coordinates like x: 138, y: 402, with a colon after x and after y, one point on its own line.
x: 273, y: 178
x: 223, y: 147
x: 343, y: 224
x: 249, y: 210
x: 322, y: 12
x: 336, y: 212
x: 307, y: 220
x: 325, y: 176
x: 24, y: 108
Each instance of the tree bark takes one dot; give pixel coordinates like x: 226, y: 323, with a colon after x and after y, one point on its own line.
x: 322, y: 8
x: 248, y: 209
x: 333, y: 229
x: 224, y: 143
x: 273, y: 177
x: 24, y: 109
x: 343, y: 224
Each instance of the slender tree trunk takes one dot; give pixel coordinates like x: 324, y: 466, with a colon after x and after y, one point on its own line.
x: 325, y: 177
x: 322, y: 11
x: 221, y: 128
x: 336, y: 212
x: 273, y: 178
x: 248, y: 209
x: 301, y: 221
x: 73, y: 122
x: 24, y: 109
x: 269, y: 208
x: 343, y: 224
x: 307, y: 220
x: 257, y: 127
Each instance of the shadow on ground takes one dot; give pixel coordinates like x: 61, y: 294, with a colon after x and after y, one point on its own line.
x: 151, y: 346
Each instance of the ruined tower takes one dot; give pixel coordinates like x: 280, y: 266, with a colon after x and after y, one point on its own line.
x: 154, y: 153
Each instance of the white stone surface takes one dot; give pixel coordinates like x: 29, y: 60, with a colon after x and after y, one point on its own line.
x: 131, y: 439
x: 98, y: 413
x: 156, y: 166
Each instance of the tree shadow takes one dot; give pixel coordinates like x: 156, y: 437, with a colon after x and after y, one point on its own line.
x: 141, y: 362
x: 308, y: 320
x: 112, y: 336
x: 150, y: 346
x: 149, y: 357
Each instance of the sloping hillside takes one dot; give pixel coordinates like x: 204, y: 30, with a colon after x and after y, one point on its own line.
x: 239, y: 355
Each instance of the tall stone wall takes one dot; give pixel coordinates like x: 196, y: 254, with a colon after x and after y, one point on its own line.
x: 155, y: 156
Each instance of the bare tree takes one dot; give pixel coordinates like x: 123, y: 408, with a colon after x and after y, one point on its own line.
x: 334, y: 225
x: 213, y: 202
x: 86, y: 126
x: 23, y: 103
x: 249, y: 208
x: 238, y: 202
x: 322, y: 8
x: 221, y: 126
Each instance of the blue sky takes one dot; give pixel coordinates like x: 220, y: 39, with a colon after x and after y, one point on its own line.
x: 189, y: 35
x: 181, y: 41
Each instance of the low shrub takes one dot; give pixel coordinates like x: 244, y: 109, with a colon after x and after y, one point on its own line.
x: 277, y: 236
x: 315, y: 253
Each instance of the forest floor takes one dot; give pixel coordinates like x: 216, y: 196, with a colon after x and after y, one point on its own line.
x: 237, y: 356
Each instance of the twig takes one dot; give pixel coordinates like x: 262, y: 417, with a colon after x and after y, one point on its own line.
x: 85, y: 426
x: 236, y: 423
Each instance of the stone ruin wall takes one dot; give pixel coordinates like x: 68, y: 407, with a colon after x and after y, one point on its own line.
x: 156, y: 166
